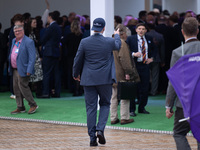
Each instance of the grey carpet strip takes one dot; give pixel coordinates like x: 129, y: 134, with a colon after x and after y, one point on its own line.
x: 84, y: 125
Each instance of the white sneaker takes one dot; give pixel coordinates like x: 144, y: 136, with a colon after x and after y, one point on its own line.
x: 12, y: 96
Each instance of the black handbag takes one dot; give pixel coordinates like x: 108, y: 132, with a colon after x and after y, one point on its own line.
x: 126, y: 90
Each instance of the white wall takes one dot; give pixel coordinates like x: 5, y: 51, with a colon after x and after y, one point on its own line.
x: 180, y: 5
x: 8, y: 8
x: 126, y: 7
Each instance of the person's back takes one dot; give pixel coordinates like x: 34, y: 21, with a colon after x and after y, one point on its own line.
x: 191, y: 46
x: 188, y: 48
x: 94, y: 68
x: 98, y: 60
x: 51, y: 40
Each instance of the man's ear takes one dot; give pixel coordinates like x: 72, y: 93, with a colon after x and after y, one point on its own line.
x: 103, y: 30
x: 182, y: 32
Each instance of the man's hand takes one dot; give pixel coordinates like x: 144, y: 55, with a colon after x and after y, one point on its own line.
x: 78, y: 78
x: 149, y: 60
x: 137, y: 54
x: 28, y: 74
x: 127, y: 76
x: 116, y: 32
x: 47, y: 3
x: 168, y: 113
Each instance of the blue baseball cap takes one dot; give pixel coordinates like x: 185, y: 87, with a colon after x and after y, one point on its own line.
x: 98, y: 24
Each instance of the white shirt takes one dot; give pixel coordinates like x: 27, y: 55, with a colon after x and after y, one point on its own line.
x: 140, y: 59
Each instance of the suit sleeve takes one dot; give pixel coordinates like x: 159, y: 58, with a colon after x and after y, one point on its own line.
x: 151, y: 49
x: 32, y: 57
x: 162, y: 50
x: 171, y: 94
x: 46, y: 36
x: 125, y: 58
x: 78, y: 61
x: 117, y: 45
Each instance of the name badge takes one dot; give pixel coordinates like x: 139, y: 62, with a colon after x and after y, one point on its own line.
x: 17, y: 50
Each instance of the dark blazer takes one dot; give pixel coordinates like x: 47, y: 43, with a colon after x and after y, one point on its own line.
x: 132, y: 41
x: 25, y: 58
x: 159, y: 46
x: 51, y: 41
x: 94, y: 60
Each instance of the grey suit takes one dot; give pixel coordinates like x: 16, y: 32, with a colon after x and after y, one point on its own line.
x: 180, y: 129
x: 94, y: 61
x: 159, y: 57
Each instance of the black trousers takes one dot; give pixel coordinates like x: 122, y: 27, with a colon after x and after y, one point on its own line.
x: 143, y: 87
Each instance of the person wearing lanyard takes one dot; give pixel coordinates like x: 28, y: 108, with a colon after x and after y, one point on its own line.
x: 142, y: 47
x: 21, y: 66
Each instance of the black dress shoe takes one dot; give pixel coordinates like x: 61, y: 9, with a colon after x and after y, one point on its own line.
x: 93, y: 143
x: 101, y: 137
x: 55, y: 95
x: 43, y: 96
x: 133, y: 114
x: 143, y: 111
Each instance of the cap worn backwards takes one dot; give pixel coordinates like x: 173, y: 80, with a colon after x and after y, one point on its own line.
x: 98, y: 24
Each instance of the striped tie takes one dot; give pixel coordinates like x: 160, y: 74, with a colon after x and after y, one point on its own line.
x: 143, y: 51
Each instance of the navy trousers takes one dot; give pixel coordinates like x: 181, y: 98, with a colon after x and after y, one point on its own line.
x: 91, y: 99
x: 143, y: 86
x: 51, y: 69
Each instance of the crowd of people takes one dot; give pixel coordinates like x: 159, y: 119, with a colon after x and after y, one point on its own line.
x: 151, y: 38
x: 163, y: 27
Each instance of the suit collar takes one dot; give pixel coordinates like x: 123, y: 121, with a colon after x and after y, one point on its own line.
x: 97, y: 33
x: 52, y: 22
x: 191, y: 40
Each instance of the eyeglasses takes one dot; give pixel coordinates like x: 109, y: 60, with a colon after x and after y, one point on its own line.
x: 17, y: 31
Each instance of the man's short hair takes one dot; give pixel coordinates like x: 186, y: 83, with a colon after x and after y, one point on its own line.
x: 118, y: 19
x: 18, y: 27
x: 18, y: 17
x: 53, y: 15
x: 190, y: 26
x: 141, y: 24
x: 174, y: 18
x: 142, y: 13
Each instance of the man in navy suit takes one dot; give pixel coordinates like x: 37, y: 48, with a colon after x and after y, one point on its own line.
x: 51, y: 53
x: 21, y: 65
x: 142, y: 61
x: 94, y: 68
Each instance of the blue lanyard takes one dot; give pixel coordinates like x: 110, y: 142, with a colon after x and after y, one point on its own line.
x: 17, y: 44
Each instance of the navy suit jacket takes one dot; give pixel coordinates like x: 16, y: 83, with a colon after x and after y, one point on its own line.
x: 25, y: 58
x: 51, y: 41
x: 132, y: 41
x: 94, y: 60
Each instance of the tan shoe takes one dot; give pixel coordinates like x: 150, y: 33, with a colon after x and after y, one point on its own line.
x: 32, y: 109
x: 17, y: 111
x: 123, y: 121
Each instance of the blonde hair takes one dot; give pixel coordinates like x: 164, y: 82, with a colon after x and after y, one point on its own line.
x: 76, y: 27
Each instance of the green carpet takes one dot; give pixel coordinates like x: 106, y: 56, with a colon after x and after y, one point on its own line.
x: 72, y: 109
